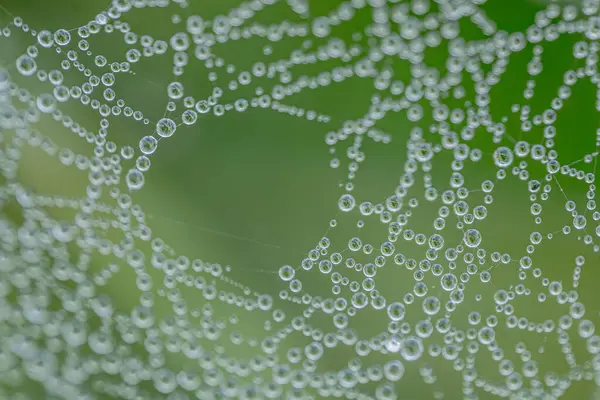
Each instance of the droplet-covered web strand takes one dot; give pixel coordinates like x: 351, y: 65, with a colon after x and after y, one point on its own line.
x: 63, y: 337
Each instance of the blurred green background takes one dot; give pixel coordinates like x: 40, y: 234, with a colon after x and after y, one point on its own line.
x: 254, y: 190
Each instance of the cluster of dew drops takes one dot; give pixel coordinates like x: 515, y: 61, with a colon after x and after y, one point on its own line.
x: 60, y: 335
